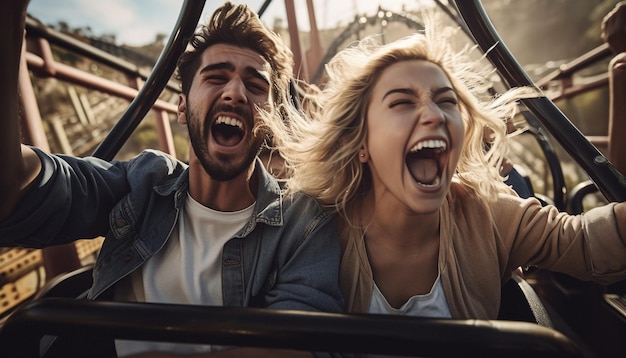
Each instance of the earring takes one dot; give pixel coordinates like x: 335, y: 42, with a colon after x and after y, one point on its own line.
x: 362, y: 155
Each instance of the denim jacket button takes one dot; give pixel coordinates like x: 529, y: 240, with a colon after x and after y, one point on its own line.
x: 127, y: 257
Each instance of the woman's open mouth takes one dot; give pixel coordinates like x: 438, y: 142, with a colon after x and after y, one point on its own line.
x: 425, y: 162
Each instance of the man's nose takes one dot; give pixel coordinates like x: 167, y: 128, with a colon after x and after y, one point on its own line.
x: 235, y: 91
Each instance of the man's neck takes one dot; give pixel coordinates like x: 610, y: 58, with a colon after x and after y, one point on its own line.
x: 233, y: 195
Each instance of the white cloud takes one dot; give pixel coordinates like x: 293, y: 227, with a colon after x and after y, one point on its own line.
x: 137, y: 22
x: 132, y: 22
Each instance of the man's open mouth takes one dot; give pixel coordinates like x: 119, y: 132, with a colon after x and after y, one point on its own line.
x: 227, y: 131
x: 424, y: 161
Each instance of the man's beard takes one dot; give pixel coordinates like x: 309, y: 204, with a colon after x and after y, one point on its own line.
x: 218, y: 167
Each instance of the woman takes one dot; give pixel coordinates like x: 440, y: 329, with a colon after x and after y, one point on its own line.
x: 428, y: 226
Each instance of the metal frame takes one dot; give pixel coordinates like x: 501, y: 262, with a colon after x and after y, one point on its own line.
x: 259, y: 327
x: 610, y: 182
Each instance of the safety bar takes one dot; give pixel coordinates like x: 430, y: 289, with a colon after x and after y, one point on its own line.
x: 552, y: 160
x: 255, y: 327
x: 610, y: 182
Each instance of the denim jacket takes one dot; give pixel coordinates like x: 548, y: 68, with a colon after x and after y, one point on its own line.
x: 285, y: 257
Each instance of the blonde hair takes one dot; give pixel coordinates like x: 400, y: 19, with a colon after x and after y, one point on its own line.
x: 322, y: 154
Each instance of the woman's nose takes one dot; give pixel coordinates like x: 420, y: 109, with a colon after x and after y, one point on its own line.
x: 431, y: 114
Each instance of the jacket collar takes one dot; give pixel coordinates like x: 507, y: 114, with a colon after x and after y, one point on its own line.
x: 268, y: 205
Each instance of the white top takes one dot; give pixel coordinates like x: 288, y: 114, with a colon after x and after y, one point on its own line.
x: 187, y: 270
x: 432, y: 304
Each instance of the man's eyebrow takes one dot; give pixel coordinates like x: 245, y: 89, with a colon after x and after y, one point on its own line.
x: 218, y: 66
x: 438, y: 91
x: 250, y: 71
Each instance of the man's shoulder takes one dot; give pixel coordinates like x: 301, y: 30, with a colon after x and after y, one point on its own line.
x: 305, y: 205
x: 154, y: 166
x: 154, y: 155
x: 155, y: 160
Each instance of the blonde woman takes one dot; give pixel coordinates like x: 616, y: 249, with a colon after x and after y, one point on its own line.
x: 428, y: 227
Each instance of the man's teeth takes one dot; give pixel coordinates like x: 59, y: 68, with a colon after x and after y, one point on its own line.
x: 431, y: 143
x: 230, y: 121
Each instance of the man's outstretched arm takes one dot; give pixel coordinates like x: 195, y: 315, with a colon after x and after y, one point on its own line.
x: 20, y: 165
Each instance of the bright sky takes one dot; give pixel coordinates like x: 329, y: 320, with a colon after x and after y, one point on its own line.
x: 137, y: 22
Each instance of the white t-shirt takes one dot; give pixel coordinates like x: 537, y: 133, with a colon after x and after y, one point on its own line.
x: 187, y: 270
x: 432, y: 304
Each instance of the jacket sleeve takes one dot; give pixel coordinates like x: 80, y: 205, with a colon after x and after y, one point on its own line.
x: 69, y: 200
x: 308, y: 269
x: 589, y: 246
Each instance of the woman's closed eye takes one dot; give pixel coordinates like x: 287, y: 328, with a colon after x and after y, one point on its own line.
x: 448, y: 101
x: 400, y: 102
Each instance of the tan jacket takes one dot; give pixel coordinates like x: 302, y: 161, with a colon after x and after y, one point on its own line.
x: 482, y: 243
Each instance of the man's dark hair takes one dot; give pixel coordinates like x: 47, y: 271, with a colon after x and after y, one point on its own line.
x: 238, y: 25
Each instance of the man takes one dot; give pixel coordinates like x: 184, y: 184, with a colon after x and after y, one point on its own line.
x: 215, y: 232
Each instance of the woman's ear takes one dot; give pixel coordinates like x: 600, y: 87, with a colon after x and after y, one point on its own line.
x: 182, y: 109
x: 363, y: 155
